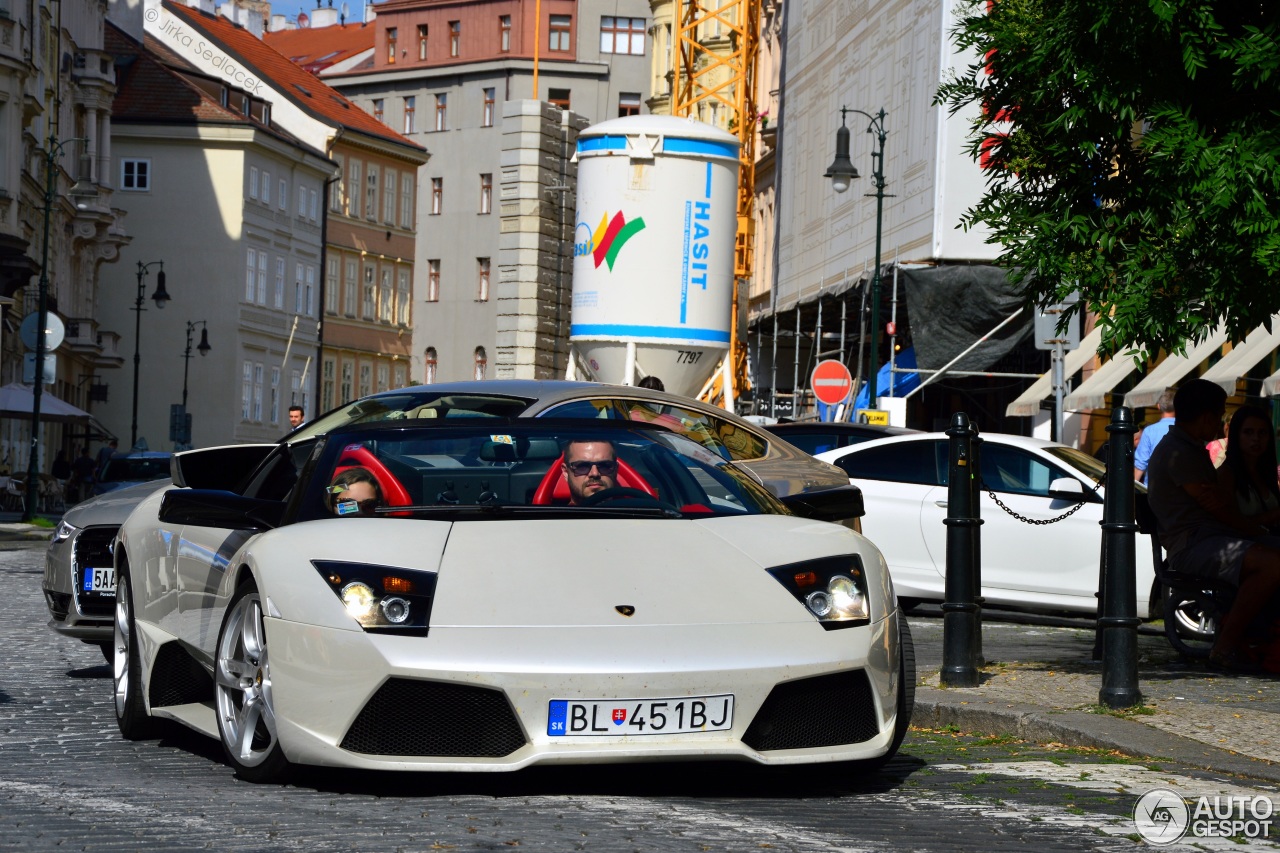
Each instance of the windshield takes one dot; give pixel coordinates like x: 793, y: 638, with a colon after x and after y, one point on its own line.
x: 121, y: 469
x: 432, y: 405
x: 524, y: 467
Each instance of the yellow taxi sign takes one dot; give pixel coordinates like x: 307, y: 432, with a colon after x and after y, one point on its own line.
x: 878, y: 417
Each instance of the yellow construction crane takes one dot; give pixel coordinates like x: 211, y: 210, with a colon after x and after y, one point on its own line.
x: 714, y: 75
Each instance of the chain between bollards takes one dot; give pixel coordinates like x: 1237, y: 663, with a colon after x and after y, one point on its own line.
x: 961, y: 614
x: 1117, y: 620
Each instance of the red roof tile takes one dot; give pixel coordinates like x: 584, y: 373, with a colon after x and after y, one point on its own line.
x: 305, y: 90
x: 315, y: 49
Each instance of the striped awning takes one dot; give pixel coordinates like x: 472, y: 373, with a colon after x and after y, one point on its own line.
x: 1171, y: 371
x: 1244, y: 356
x: 1029, y: 402
x: 1092, y: 393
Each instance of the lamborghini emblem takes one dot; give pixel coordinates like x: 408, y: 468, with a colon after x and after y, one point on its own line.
x: 625, y: 609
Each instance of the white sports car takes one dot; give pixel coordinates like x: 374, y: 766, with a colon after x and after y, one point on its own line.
x: 1029, y: 561
x: 472, y: 595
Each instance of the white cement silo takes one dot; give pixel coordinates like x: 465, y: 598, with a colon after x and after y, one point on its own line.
x: 653, y: 250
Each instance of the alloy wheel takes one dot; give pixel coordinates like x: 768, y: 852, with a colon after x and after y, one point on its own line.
x: 246, y: 714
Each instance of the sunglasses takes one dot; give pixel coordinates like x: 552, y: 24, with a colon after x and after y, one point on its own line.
x: 606, y: 467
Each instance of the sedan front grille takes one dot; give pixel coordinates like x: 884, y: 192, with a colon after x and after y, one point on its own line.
x: 828, y: 710
x: 432, y: 718
x: 93, y: 549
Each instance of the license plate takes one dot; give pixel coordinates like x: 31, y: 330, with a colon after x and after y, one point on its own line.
x: 100, y: 580
x: 617, y: 717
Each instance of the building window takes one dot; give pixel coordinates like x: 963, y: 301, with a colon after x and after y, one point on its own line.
x: 352, y: 283
x: 391, y: 45
x: 433, y: 280
x: 401, y: 380
x: 266, y: 187
x: 430, y: 361
x: 628, y: 104
x: 326, y: 384
x: 297, y: 289
x: 422, y: 42
x: 622, y: 35
x: 135, y: 175
x: 377, y: 108
x: 437, y: 196
x: 406, y: 201
x: 367, y: 305
x: 486, y: 193
x: 283, y: 199
x: 331, y: 286
x: 455, y: 38
x: 352, y: 189
x: 558, y: 98
x: 482, y: 361
x: 558, y: 35
x: 251, y: 271
x: 253, y: 182
x: 442, y: 105
x: 257, y: 392
x: 280, y: 282
x: 504, y: 33
x: 482, y: 280
x: 313, y: 211
x: 275, y: 395
x: 310, y: 303
x: 389, y: 196
x: 262, y: 278
x: 335, y: 188
x: 487, y: 119
x: 345, y: 389
x: 302, y: 201
x: 366, y: 380
x: 384, y: 297
x: 384, y: 374
x: 409, y: 105
x: 371, y: 193
x: 246, y: 391
x: 402, y: 299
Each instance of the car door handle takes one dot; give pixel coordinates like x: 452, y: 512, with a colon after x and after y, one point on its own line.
x: 942, y: 504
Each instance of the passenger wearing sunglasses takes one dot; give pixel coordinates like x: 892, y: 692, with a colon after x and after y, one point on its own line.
x: 590, y: 466
x: 355, y: 491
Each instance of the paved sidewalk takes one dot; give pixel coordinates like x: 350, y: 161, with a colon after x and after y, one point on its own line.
x: 1041, y: 683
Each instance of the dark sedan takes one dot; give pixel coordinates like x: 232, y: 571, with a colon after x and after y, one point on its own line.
x: 814, y: 437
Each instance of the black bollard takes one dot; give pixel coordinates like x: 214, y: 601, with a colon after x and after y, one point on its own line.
x: 975, y: 480
x: 1119, y: 622
x: 960, y: 610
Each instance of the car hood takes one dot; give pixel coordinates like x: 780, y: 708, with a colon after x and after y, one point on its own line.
x: 114, y: 506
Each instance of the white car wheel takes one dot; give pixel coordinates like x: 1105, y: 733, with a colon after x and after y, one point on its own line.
x: 126, y: 669
x: 242, y: 685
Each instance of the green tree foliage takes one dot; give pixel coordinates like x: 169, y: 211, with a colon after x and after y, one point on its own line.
x: 1133, y: 148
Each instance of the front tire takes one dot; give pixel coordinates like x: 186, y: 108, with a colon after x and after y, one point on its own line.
x: 242, y: 688
x: 126, y: 669
x: 906, y: 706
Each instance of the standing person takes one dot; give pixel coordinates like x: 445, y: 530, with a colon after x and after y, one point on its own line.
x: 1152, y: 434
x: 105, y: 453
x: 1248, y: 470
x: 1203, y: 532
x: 82, y: 474
x: 61, y: 469
x: 296, y: 417
x: 651, y: 382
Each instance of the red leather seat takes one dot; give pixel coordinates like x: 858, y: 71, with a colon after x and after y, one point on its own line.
x: 358, y: 456
x: 554, y: 488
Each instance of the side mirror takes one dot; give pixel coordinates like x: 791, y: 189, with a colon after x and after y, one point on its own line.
x: 222, y: 468
x: 221, y: 509
x: 1069, y: 489
x: 838, y: 504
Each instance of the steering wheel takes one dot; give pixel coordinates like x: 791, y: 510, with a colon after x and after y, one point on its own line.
x: 620, y: 493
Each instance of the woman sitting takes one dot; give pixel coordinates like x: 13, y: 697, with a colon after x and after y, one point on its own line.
x: 354, y: 491
x: 1248, y: 472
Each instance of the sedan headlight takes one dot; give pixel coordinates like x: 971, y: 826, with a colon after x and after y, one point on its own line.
x: 381, y: 598
x: 63, y: 532
x: 832, y: 589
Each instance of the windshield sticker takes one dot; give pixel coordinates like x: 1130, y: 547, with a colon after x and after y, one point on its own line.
x: 502, y: 439
x: 347, y: 507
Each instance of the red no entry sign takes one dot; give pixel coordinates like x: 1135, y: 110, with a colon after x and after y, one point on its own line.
x: 831, y: 382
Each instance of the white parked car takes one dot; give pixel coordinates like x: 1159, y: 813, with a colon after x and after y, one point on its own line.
x: 1045, y: 567
x: 471, y: 616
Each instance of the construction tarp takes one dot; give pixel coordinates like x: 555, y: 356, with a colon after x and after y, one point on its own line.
x: 952, y: 306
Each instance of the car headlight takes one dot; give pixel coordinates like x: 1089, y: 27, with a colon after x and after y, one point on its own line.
x: 832, y: 589
x: 63, y: 532
x: 382, y: 599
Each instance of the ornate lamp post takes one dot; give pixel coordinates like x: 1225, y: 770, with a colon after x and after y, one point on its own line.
x: 160, y: 297
x: 842, y: 173
x: 42, y: 309
x: 203, y: 348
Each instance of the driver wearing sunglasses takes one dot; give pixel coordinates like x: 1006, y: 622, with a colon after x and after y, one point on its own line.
x: 590, y: 466
x: 355, y: 491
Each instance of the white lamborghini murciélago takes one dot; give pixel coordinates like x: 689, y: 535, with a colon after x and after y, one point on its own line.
x: 439, y: 595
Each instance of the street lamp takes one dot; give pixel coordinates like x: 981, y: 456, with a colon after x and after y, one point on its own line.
x: 42, y: 309
x: 160, y: 297
x: 842, y: 173
x: 203, y: 348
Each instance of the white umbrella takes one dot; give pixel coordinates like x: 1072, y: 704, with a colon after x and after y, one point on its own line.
x: 17, y: 401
